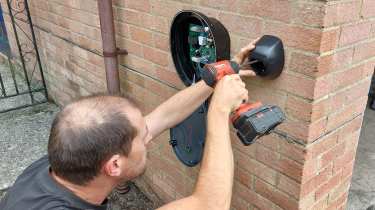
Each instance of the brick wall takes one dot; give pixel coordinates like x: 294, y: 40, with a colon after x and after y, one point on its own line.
x: 330, y: 47
x: 69, y: 41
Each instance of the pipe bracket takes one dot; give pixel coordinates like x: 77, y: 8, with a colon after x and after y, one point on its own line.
x: 116, y: 53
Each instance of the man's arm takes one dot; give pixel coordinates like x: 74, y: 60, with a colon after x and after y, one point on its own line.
x: 177, y: 108
x: 214, y: 187
x: 185, y: 102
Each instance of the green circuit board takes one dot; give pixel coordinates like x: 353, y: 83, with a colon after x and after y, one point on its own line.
x: 201, y: 46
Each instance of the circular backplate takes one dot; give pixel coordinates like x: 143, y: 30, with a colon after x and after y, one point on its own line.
x: 187, y: 138
x: 179, y: 42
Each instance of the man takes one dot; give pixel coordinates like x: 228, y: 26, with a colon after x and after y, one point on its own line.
x: 99, y: 142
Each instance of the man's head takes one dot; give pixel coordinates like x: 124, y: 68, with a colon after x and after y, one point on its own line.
x: 98, y: 136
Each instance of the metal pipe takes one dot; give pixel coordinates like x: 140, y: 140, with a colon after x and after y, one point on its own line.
x: 110, y: 51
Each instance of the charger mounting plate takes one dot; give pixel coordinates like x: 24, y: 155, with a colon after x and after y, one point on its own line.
x: 195, y: 40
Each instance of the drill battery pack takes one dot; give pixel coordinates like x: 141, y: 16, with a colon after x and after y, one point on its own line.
x: 257, y: 122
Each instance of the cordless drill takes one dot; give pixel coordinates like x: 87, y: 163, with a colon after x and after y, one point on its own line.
x: 250, y: 120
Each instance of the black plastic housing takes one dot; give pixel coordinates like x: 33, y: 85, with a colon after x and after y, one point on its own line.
x: 258, y: 122
x: 269, y: 51
x: 180, y: 47
x: 187, y: 138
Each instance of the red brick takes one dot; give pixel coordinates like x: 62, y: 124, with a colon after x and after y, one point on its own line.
x: 289, y: 186
x: 267, y: 96
x: 271, y: 141
x: 324, y: 144
x: 251, y: 197
x: 339, y: 202
x: 368, y: 8
x: 155, y: 23
x: 321, y: 204
x: 296, y: 36
x: 155, y: 56
x: 141, y: 5
x: 243, y: 176
x: 342, y: 12
x: 275, y: 195
x: 297, y: 85
x: 341, y: 79
x: 86, y: 5
x: 373, y: 29
x: 347, y: 171
x: 141, y: 35
x: 238, y: 146
x: 208, y: 11
x: 241, y: 25
x: 239, y: 204
x: 309, y: 14
x: 358, y: 91
x: 350, y: 128
x: 306, y: 64
x: 165, y: 8
x: 341, y: 161
x: 329, y: 156
x: 272, y: 9
x: 260, y: 170
x: 328, y: 186
x: 307, y: 202
x: 339, y: 190
x: 128, y: 16
x: 266, y: 155
x: 339, y: 118
x: 295, y: 129
x: 228, y: 5
x: 161, y: 42
x: 294, y: 151
x: 369, y: 69
x: 290, y: 168
x: 131, y: 46
x: 138, y: 64
x: 169, y: 77
x: 351, y: 34
x: 320, y: 109
x: 338, y: 60
x: 364, y: 51
x: 323, y: 86
x: 316, y: 181
x: 330, y: 39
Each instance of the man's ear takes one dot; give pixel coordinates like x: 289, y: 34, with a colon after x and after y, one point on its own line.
x: 112, y: 166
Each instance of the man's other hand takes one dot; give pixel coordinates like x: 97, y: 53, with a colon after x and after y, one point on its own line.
x: 241, y: 57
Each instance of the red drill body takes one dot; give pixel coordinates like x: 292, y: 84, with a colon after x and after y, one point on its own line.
x: 250, y: 120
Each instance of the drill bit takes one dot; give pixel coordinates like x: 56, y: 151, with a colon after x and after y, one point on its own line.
x: 248, y: 63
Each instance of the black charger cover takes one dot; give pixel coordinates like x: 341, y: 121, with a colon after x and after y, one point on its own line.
x: 269, y: 52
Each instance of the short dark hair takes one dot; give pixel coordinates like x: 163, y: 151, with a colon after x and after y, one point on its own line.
x: 87, y: 133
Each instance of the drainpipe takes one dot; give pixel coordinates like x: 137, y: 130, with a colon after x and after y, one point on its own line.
x: 110, y: 51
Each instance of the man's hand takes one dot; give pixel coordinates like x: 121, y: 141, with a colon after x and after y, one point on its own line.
x: 241, y: 57
x: 229, y: 94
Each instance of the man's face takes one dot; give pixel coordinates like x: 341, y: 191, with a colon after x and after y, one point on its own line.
x: 135, y: 162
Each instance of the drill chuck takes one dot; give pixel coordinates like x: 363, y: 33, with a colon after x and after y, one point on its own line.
x: 215, y: 71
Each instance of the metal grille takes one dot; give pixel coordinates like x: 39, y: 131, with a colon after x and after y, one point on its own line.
x: 22, y: 82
